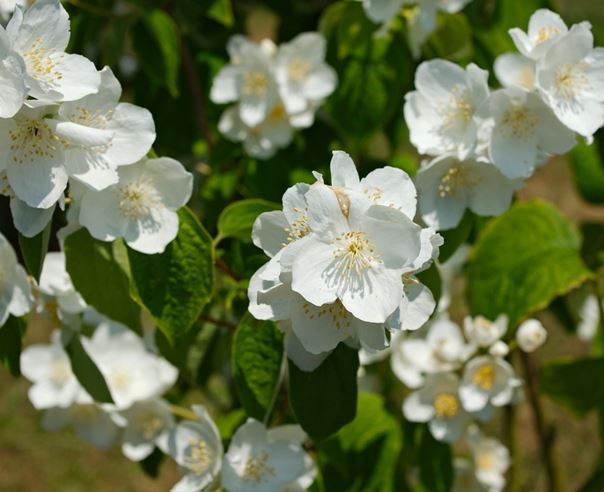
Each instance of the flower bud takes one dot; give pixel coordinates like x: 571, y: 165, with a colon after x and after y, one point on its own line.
x: 531, y: 335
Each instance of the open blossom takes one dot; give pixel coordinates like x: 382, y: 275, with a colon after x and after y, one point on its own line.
x: 531, y: 335
x: 141, y: 207
x: 267, y: 460
x: 523, y: 129
x: 545, y: 29
x: 12, y: 85
x: 197, y: 449
x: 40, y: 35
x: 485, y: 380
x: 447, y: 187
x: 48, y: 367
x: 569, y: 79
x: 440, y: 112
x: 515, y: 70
x: 100, y: 134
x: 437, y: 403
x: 144, y: 423
x: 482, y: 332
x: 131, y: 371
x: 303, y: 76
x: 491, y: 460
x: 15, y: 291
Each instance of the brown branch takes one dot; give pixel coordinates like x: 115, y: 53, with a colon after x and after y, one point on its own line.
x: 217, y: 322
x: 221, y: 265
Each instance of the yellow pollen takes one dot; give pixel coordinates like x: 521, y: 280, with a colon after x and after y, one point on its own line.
x: 149, y: 425
x: 546, y: 33
x: 60, y: 372
x: 459, y: 110
x: 95, y: 118
x: 5, y: 188
x: 569, y: 79
x: 39, y: 62
x: 485, y: 461
x: 255, y: 83
x: 298, y: 69
x: 519, y: 123
x: 446, y: 405
x: 257, y: 469
x: 343, y: 200
x: 336, y: 312
x: 198, y: 456
x: 355, y: 252
x: 456, y: 180
x: 33, y: 139
x: 277, y: 114
x: 484, y: 377
x: 138, y: 198
x: 120, y: 379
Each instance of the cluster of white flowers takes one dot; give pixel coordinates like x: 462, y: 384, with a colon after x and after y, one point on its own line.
x: 137, y: 377
x: 63, y: 130
x: 420, y: 15
x: 343, y: 262
x: 485, y: 143
x: 276, y: 90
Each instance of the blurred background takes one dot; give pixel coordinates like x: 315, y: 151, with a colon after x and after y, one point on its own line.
x: 166, y: 53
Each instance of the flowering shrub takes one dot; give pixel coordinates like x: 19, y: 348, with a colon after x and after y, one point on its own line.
x: 340, y: 285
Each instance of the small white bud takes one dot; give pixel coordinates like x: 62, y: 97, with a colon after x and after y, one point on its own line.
x: 531, y: 335
x: 499, y: 349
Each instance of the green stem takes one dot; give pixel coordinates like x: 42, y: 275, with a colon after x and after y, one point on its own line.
x: 184, y: 413
x: 277, y: 391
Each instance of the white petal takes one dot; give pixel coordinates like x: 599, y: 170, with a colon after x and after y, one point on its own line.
x: 134, y: 133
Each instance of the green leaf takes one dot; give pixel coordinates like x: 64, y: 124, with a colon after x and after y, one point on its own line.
x: 522, y: 261
x: 363, y: 454
x: 175, y: 285
x: 588, y: 171
x: 87, y: 372
x: 435, y: 463
x: 452, y: 39
x: 571, y: 383
x: 34, y: 251
x: 237, y: 219
x: 99, y: 272
x: 324, y: 400
x: 454, y: 238
x: 221, y: 11
x: 10, y: 345
x: 157, y: 42
x: 256, y: 360
x: 229, y: 423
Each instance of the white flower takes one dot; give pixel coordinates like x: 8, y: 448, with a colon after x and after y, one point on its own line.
x: 248, y: 79
x: 12, y: 86
x: 421, y: 23
x: 569, y: 79
x: 487, y: 379
x: 263, y: 140
x: 33, y: 156
x: 545, y: 28
x: 440, y: 112
x: 197, y: 448
x: 483, y: 332
x: 264, y: 460
x: 447, y: 187
x: 141, y: 207
x: 15, y: 290
x: 499, y: 349
x: 100, y: 134
x: 354, y: 254
x: 92, y: 423
x: 380, y: 11
x: 49, y: 368
x: 589, y: 318
x: 131, y: 372
x: 441, y: 349
x: 531, y: 335
x: 56, y: 282
x: 303, y: 76
x: 522, y: 129
x: 7, y: 7
x: 437, y: 402
x: 144, y: 423
x: 491, y: 460
x: 40, y: 35
x: 515, y: 70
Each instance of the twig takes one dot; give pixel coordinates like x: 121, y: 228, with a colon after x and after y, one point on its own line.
x: 544, y: 433
x: 221, y: 265
x: 218, y: 322
x: 196, y: 90
x: 185, y: 413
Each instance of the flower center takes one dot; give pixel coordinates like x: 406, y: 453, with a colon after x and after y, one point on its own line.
x: 255, y: 83
x: 298, y: 69
x: 40, y: 63
x: 354, y: 252
x: 456, y: 180
x: 60, y: 372
x: 485, y: 461
x: 299, y: 227
x: 97, y: 118
x: 276, y: 114
x: 446, y: 405
x: 149, y: 425
x: 459, y: 110
x: 5, y: 188
x: 570, y: 79
x: 31, y: 140
x: 484, y: 377
x: 139, y: 198
x: 519, y: 123
x: 545, y: 33
x: 257, y: 469
x: 197, y: 456
x: 336, y: 311
x: 120, y: 379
